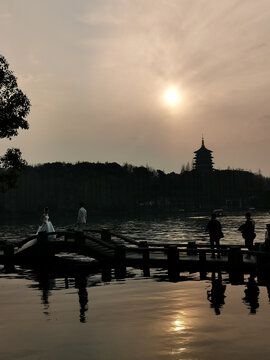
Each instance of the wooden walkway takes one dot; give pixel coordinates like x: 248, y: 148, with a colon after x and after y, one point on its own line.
x: 119, y: 252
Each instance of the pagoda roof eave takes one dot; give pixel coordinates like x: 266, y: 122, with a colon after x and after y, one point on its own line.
x: 202, y: 150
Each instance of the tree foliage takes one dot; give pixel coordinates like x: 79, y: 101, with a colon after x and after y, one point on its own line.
x: 111, y: 188
x: 14, y: 104
x: 14, y: 107
x: 12, y: 160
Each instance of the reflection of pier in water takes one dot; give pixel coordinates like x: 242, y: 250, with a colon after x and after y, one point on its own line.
x: 47, y: 282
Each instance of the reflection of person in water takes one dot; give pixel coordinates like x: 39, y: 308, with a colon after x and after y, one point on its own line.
x: 81, y: 283
x: 45, y: 284
x: 252, y: 295
x: 216, y: 295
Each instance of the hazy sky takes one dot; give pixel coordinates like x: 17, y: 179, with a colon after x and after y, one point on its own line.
x: 96, y: 72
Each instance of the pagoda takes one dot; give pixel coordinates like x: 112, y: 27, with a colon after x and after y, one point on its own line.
x: 203, y: 159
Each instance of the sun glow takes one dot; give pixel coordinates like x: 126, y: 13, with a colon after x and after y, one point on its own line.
x: 172, y: 96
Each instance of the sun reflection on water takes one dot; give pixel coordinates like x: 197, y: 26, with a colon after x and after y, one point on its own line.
x: 180, y: 333
x: 178, y: 325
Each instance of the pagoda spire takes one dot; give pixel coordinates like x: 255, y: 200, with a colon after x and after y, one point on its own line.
x: 203, y: 159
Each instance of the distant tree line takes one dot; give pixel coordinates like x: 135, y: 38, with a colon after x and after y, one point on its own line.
x: 108, y: 188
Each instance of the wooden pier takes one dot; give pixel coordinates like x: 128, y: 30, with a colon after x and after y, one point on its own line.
x: 116, y: 251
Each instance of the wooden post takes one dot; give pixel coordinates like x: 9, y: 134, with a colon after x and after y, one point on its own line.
x: 68, y: 236
x: 8, y: 258
x: 202, y: 261
x: 43, y: 245
x: 261, y: 260
x: 173, y: 263
x: 235, y: 263
x: 106, y: 235
x: 42, y: 238
x: 145, y: 258
x: 106, y: 273
x: 165, y: 249
x: 80, y: 239
x: 120, y: 261
x: 190, y: 248
x: 235, y: 258
x: 8, y: 253
x: 42, y: 242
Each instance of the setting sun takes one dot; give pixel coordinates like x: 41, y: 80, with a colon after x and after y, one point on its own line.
x: 172, y: 96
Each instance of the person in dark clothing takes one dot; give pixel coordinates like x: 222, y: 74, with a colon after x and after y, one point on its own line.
x: 248, y: 232
x: 215, y: 233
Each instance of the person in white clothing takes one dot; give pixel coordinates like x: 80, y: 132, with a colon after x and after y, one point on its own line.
x: 82, y: 217
x: 45, y: 224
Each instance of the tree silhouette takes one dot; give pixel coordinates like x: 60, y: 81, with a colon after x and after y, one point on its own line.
x: 14, y: 107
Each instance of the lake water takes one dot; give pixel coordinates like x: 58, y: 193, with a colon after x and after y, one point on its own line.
x: 156, y: 229
x: 47, y: 316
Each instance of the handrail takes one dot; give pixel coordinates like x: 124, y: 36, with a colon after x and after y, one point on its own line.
x: 62, y: 233
x: 22, y: 242
x: 264, y: 253
x: 151, y: 246
x: 101, y: 242
x: 91, y: 230
x: 128, y: 240
x: 222, y: 246
x: 142, y: 249
x: 57, y: 233
x: 208, y: 250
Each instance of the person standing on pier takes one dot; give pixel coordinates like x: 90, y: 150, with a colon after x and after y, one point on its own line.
x: 248, y: 232
x: 215, y: 233
x: 82, y: 217
x: 45, y: 224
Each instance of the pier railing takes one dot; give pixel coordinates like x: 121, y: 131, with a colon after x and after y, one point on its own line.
x: 120, y: 251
